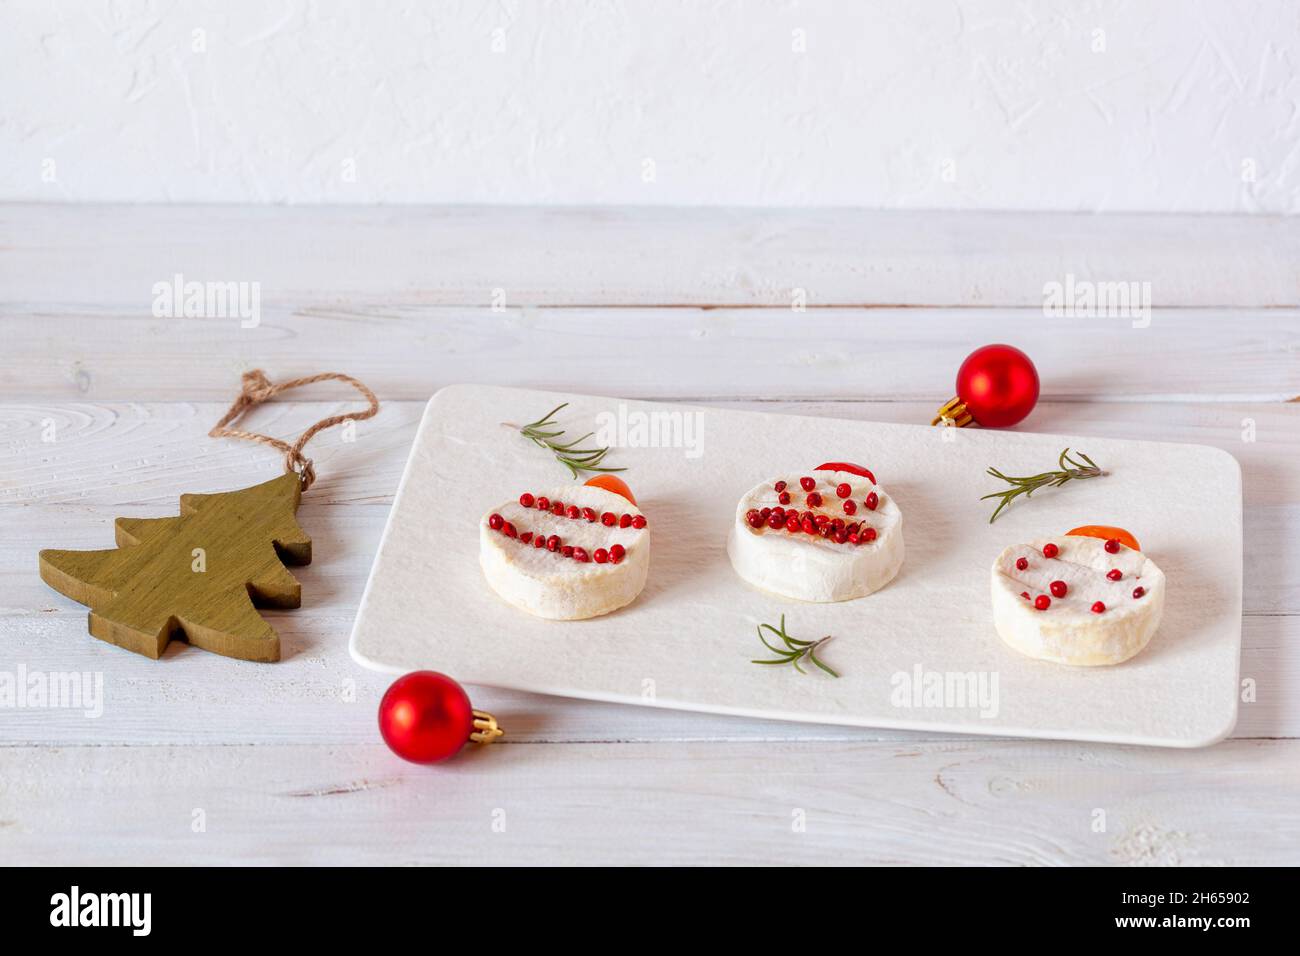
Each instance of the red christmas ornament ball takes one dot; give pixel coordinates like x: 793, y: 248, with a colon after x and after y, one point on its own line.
x: 425, y: 717
x: 998, y: 384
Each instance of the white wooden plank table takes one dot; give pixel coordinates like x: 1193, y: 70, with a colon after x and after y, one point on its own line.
x: 284, y: 760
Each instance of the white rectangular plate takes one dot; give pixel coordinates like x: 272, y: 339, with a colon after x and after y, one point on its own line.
x: 687, y: 642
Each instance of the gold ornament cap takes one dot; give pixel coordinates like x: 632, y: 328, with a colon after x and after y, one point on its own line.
x: 953, y: 414
x: 485, y: 728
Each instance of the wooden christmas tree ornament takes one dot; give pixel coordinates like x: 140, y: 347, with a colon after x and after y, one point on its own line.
x: 199, y: 576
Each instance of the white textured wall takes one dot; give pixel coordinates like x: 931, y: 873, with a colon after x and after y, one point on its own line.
x: 995, y: 104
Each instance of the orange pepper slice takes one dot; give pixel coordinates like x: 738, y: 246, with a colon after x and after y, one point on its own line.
x: 1107, y: 532
x: 612, y: 483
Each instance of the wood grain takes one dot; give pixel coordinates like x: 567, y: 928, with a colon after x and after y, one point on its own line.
x: 135, y: 458
x: 945, y: 803
x: 140, y: 453
x: 622, y: 257
x: 143, y: 453
x: 670, y: 304
x: 317, y: 693
x: 66, y: 351
x: 196, y: 576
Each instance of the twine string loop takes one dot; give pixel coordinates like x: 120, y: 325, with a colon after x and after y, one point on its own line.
x: 257, y: 388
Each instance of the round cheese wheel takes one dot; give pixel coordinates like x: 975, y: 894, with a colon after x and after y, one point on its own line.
x: 809, y: 564
x: 591, y: 563
x: 1083, y: 605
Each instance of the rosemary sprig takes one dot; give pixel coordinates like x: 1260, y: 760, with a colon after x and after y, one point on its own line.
x: 794, y: 650
x: 1069, y: 469
x: 566, y: 453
